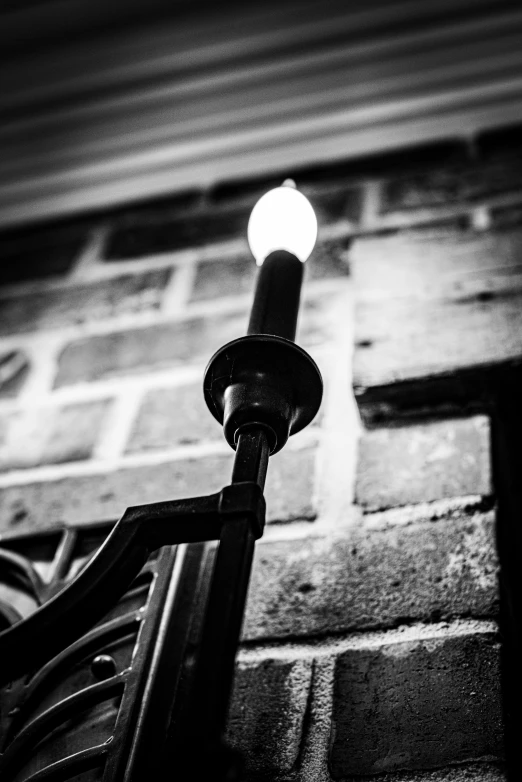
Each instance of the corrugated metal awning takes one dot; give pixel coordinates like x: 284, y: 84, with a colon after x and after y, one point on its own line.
x: 96, y: 113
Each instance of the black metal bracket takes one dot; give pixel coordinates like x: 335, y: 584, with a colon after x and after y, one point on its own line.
x: 262, y: 381
x: 140, y: 531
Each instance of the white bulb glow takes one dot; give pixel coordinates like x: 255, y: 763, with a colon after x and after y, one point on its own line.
x: 282, y: 219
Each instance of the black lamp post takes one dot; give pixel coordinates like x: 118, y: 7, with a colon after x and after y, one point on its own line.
x: 263, y: 388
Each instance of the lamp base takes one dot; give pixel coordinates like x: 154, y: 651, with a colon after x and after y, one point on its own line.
x: 263, y: 381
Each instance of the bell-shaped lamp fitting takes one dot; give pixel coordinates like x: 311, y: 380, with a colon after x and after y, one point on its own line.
x: 282, y: 219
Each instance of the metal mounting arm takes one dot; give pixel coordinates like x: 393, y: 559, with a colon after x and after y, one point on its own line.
x: 142, y: 529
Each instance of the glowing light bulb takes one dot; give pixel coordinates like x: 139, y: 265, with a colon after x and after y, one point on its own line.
x: 282, y: 219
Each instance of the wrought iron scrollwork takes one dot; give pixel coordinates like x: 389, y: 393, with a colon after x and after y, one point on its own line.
x: 68, y: 636
x: 141, y: 530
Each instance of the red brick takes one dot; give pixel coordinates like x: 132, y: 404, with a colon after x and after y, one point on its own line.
x: 404, y: 465
x: 142, y: 350
x: 367, y: 579
x: 85, y: 498
x: 417, y: 704
x: 53, y: 309
x: 267, y: 712
x: 50, y: 435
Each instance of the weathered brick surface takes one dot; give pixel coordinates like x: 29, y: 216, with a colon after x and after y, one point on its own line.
x: 361, y: 579
x: 411, y: 340
x: 442, y: 262
x: 83, y: 498
x: 317, y: 323
x: 416, y: 704
x: 231, y: 277
x: 133, y: 230
x: 466, y: 772
x: 52, y: 309
x: 428, y: 188
x: 329, y: 259
x: 39, y: 252
x: 169, y: 416
x: 163, y: 231
x: 142, y: 350
x: 50, y: 435
x: 267, y: 712
x: 290, y: 485
x: 403, y: 465
x: 139, y: 350
x: 435, y: 304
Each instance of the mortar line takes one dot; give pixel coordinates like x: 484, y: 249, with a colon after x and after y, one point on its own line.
x: 481, y: 219
x: 314, y: 751
x: 55, y: 472
x: 91, y: 255
x: 117, y: 427
x: 327, y: 645
x: 371, y: 203
x: 176, y: 293
x: 336, y: 460
x: 43, y: 352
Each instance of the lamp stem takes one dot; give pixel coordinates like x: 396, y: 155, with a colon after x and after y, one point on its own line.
x: 276, y: 299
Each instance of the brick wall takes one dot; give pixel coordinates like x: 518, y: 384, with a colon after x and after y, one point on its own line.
x: 370, y: 644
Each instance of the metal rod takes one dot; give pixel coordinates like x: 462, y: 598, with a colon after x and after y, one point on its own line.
x: 214, y: 672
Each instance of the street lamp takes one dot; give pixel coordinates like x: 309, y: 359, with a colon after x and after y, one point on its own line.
x: 262, y: 388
